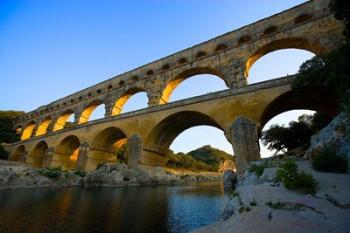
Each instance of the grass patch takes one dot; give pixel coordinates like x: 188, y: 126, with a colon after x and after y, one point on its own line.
x: 329, y: 160
x: 253, y: 202
x: 293, y: 179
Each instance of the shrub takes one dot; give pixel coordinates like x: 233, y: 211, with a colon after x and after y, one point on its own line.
x: 328, y: 160
x: 3, y: 153
x: 100, y: 165
x: 80, y: 173
x: 292, y: 179
x: 50, y: 172
x: 257, y: 169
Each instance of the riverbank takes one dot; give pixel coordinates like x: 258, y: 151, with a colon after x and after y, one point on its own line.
x: 261, y: 203
x: 17, y: 175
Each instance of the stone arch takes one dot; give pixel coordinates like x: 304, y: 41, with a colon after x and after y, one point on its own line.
x: 62, y: 120
x: 43, y: 126
x: 311, y: 99
x: 121, y: 101
x: 66, y: 153
x: 28, y: 131
x: 38, y: 154
x: 288, y: 43
x: 170, y: 127
x: 105, y: 147
x: 19, y: 154
x: 173, y: 83
x: 86, y: 114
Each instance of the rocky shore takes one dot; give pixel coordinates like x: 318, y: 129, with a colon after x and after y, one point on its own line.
x: 17, y: 175
x: 261, y: 203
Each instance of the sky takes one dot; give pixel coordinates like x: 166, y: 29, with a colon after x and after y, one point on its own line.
x: 50, y: 49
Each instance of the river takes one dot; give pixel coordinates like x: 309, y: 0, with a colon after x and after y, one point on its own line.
x: 144, y: 209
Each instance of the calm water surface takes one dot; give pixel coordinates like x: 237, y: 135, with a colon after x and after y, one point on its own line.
x: 130, y: 209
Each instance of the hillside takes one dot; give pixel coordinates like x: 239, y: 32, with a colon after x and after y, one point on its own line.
x: 210, y: 155
x: 205, y: 158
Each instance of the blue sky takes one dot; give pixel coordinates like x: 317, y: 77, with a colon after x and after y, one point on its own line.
x: 49, y: 49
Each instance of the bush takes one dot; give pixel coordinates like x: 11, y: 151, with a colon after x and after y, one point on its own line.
x: 292, y: 179
x: 3, y: 153
x: 328, y: 160
x: 279, y: 138
x: 100, y: 165
x: 257, y: 169
x: 51, y: 173
x: 80, y: 173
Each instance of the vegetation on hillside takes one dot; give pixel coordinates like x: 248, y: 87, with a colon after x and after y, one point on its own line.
x: 290, y: 176
x: 296, y: 134
x: 205, y: 158
x: 7, y: 134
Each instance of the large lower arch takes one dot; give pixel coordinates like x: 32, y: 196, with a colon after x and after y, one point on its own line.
x: 43, y: 126
x: 85, y: 115
x: 121, y: 101
x: 105, y: 147
x: 311, y: 99
x: 288, y: 43
x: 28, y: 131
x: 37, y: 157
x: 66, y: 153
x: 170, y: 86
x: 61, y: 122
x: 161, y: 137
x: 19, y: 154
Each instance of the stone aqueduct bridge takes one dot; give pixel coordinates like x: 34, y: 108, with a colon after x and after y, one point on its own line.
x: 241, y: 111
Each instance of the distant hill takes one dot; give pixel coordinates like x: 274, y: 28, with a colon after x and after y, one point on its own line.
x: 210, y: 155
x: 205, y: 158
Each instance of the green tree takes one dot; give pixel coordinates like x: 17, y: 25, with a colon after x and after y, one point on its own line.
x: 7, y: 134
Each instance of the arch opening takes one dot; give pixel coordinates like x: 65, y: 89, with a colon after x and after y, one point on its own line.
x: 201, y: 148
x: 107, y: 147
x: 131, y: 100
x: 28, y: 131
x: 287, y: 108
x: 95, y: 110
x: 43, y: 126
x: 290, y: 43
x: 38, y: 155
x: 182, y: 132
x: 170, y: 127
x: 19, y: 154
x: 64, y: 121
x: 197, y: 81
x: 66, y: 153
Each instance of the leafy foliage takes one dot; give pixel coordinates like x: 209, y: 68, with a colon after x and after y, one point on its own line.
x: 289, y: 175
x: 341, y: 10
x: 280, y: 138
x: 7, y: 134
x: 51, y: 173
x: 334, y: 74
x: 3, y: 153
x: 257, y: 169
x: 80, y: 173
x: 328, y: 160
x: 121, y: 154
x: 296, y: 134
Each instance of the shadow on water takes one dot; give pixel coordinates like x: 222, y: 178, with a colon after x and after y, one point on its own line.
x: 129, y: 209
